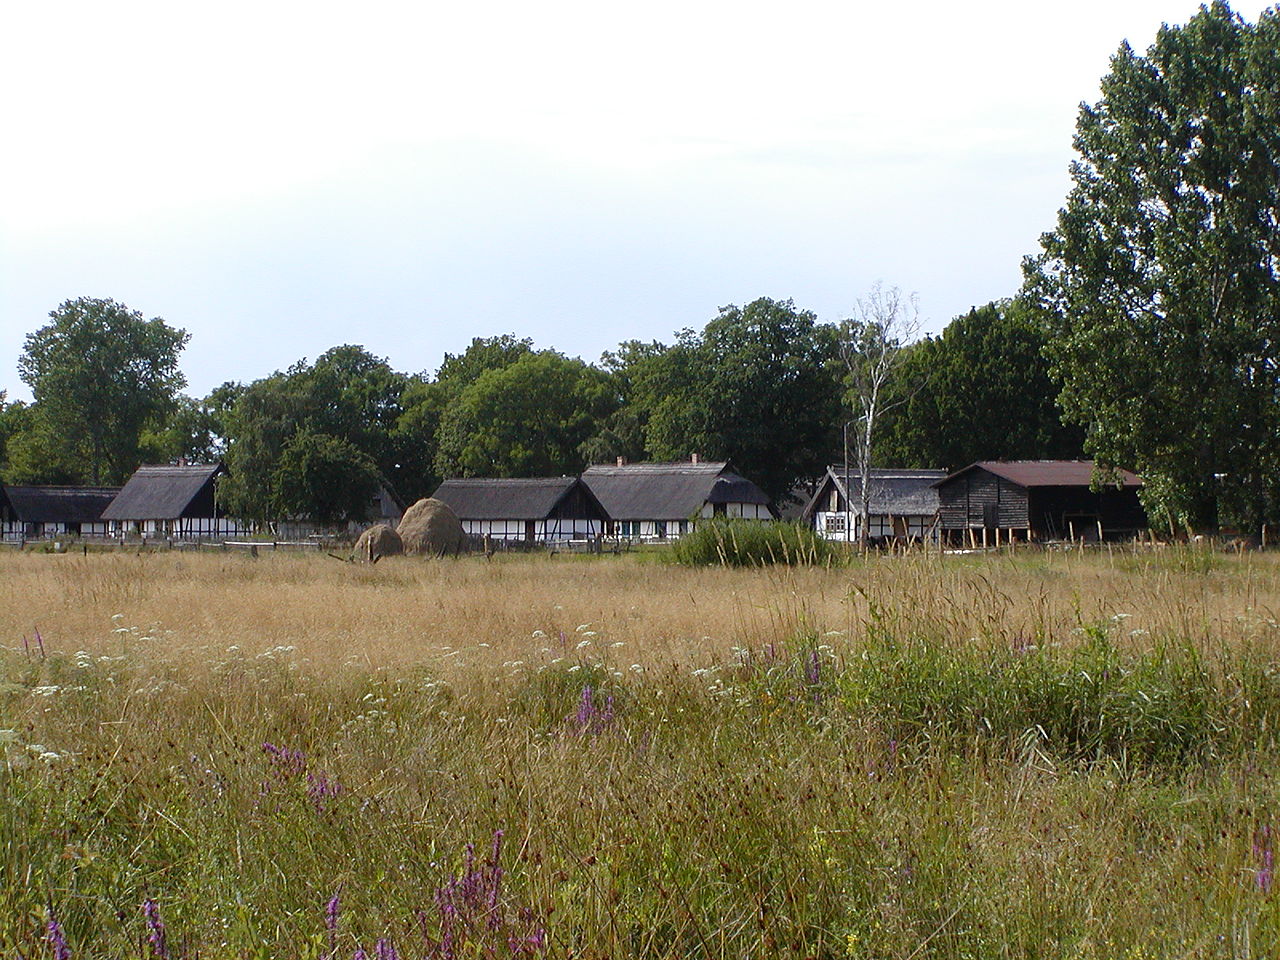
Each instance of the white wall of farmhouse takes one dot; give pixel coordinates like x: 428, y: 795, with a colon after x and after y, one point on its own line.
x: 18, y: 530
x: 183, y: 528
x: 552, y: 529
x: 831, y: 525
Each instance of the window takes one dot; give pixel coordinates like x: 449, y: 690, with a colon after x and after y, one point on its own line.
x: 835, y: 523
x: 660, y: 529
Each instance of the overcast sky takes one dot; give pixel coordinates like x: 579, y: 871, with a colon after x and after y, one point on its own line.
x: 279, y: 178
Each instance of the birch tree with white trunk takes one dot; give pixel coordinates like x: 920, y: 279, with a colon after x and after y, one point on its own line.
x: 884, y: 322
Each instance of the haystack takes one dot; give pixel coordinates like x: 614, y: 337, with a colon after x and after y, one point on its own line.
x: 431, y: 527
x: 376, y: 542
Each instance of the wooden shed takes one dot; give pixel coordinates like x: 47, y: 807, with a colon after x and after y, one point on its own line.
x: 172, y: 501
x: 28, y: 512
x: 1038, y: 500
x: 529, y: 509
x: 661, y: 500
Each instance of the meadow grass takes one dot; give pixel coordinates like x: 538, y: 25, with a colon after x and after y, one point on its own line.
x: 1013, y: 755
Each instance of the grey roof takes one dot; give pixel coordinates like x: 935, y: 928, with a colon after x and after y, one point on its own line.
x: 501, y: 498
x: 667, y: 491
x: 161, y: 493
x: 895, y: 492
x: 1045, y: 473
x: 41, y: 504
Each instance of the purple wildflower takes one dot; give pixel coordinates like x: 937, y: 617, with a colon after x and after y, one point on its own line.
x: 495, y: 882
x: 385, y: 950
x: 155, y: 929
x: 813, y: 668
x: 57, y: 939
x: 26, y: 646
x: 359, y: 954
x: 472, y: 918
x: 288, y: 761
x: 1266, y: 866
x: 39, y: 642
x: 320, y: 788
x: 331, y: 922
x: 591, y: 718
x: 586, y: 709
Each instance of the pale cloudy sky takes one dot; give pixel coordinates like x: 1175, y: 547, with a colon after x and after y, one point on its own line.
x: 281, y: 177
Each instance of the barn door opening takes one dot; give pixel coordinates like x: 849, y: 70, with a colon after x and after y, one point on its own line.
x: 990, y: 515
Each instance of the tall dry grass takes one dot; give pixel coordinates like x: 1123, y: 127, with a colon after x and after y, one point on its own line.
x: 1016, y: 755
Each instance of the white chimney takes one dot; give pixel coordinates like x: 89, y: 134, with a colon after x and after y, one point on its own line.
x: 694, y: 458
x: 622, y: 461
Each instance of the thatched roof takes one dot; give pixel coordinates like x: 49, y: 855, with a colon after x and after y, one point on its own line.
x: 895, y: 492
x: 41, y: 504
x: 163, y: 492
x: 488, y: 498
x: 667, y: 491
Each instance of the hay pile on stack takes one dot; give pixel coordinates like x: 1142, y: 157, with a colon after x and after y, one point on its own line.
x: 375, y: 543
x: 431, y: 528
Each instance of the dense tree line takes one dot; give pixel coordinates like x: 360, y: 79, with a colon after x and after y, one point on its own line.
x: 1147, y: 335
x: 763, y: 386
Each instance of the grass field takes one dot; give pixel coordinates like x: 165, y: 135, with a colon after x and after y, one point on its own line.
x: 1027, y: 755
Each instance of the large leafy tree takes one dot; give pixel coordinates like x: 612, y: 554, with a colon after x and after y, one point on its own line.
x: 1162, y: 279
x: 347, y: 396
x: 324, y: 478
x: 101, y: 374
x: 527, y: 419
x: 759, y: 385
x: 483, y: 354
x: 979, y: 391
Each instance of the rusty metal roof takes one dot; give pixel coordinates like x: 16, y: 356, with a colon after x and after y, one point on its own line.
x: 1044, y: 473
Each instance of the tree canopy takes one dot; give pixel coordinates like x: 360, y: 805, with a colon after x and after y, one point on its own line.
x: 1161, y: 282
x: 979, y: 391
x: 759, y: 385
x: 528, y: 418
x: 101, y: 375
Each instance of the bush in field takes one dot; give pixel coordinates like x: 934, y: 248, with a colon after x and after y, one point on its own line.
x: 751, y: 543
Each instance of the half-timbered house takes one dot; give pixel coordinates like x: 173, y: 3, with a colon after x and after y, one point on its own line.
x: 657, y: 501
x: 529, y: 509
x: 172, y: 501
x: 31, y: 512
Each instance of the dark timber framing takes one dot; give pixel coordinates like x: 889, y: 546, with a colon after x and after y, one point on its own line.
x: 1038, y: 500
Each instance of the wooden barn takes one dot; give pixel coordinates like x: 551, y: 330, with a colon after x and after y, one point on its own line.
x: 904, y: 504
x: 172, y: 501
x: 31, y: 512
x: 1037, y: 500
x: 655, y: 501
x: 529, y: 509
